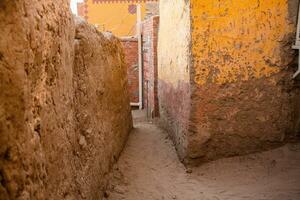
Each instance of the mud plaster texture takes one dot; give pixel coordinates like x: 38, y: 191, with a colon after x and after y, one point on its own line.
x: 240, y: 118
x: 50, y: 148
x: 103, y: 113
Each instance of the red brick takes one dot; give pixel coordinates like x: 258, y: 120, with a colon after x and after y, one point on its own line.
x: 150, y: 35
x: 130, y: 46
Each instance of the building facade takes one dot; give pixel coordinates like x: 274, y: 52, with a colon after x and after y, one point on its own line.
x: 116, y: 16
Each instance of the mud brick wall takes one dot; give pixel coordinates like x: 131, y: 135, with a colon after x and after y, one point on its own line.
x: 130, y: 46
x: 241, y: 96
x: 36, y: 112
x: 58, y: 133
x: 102, y: 110
x: 150, y: 39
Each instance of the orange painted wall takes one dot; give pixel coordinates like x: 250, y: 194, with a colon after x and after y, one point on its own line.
x: 114, y: 17
x: 238, y: 40
x: 242, y: 55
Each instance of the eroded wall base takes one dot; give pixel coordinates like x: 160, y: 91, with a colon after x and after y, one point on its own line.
x: 240, y: 118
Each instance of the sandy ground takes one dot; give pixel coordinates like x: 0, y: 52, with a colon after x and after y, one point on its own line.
x: 150, y: 170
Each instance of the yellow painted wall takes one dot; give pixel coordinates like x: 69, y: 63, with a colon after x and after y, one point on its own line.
x: 113, y: 17
x: 238, y: 39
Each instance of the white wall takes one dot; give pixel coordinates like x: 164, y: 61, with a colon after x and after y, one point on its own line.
x: 73, y: 5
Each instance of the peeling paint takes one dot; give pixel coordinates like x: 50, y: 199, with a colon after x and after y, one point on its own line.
x: 239, y: 76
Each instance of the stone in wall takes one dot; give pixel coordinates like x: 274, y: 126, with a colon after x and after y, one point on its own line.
x: 47, y: 149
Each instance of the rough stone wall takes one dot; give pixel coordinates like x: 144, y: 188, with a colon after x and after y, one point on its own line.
x: 47, y: 149
x: 130, y: 46
x: 150, y: 37
x: 242, y: 87
x: 174, y: 69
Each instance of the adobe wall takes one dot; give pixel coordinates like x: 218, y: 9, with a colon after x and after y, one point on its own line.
x: 37, y: 125
x: 58, y: 133
x: 102, y: 110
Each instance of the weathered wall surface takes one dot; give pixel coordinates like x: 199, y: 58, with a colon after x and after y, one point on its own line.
x: 150, y: 39
x: 237, y: 96
x: 130, y: 46
x: 241, y: 101
x: 102, y: 110
x: 174, y: 69
x: 296, y: 107
x: 50, y: 148
x: 36, y: 113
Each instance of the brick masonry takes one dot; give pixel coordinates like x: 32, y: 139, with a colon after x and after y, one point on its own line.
x: 130, y: 46
x: 150, y: 36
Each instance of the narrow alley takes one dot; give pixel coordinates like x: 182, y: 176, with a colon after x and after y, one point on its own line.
x: 149, y: 100
x: 149, y: 169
